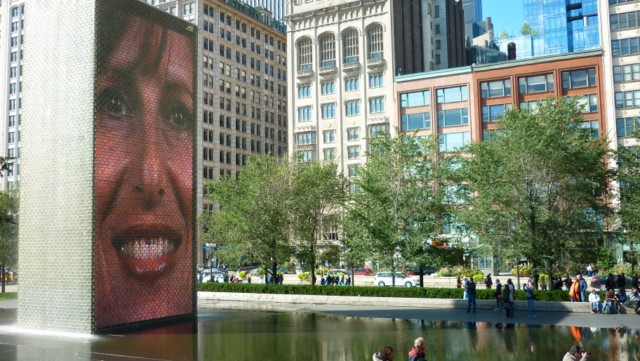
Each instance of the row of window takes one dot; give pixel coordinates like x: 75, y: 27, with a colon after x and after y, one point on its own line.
x: 625, y: 20
x: 626, y: 126
x: 376, y: 80
x: 613, y: 2
x: 626, y: 73
x: 256, y: 80
x: 628, y: 99
x: 351, y: 108
x: 240, y: 125
x: 350, y: 48
x: 623, y: 47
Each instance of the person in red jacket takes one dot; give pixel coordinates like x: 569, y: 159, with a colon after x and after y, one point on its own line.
x: 417, y: 351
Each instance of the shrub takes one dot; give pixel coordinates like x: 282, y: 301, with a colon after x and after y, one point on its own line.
x: 304, y: 276
x: 478, y: 278
x: 445, y: 272
x: 525, y: 271
x: 470, y: 272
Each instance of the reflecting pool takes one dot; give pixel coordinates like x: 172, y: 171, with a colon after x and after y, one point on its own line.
x: 230, y: 335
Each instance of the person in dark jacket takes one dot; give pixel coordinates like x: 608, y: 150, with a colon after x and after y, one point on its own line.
x: 417, y: 351
x: 488, y: 282
x: 499, y: 305
x: 610, y: 283
x: 471, y: 295
x: 621, y: 282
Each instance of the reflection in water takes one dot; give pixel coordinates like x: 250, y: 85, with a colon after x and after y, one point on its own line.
x: 260, y: 335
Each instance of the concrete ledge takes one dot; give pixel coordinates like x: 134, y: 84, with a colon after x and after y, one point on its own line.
x: 245, y: 300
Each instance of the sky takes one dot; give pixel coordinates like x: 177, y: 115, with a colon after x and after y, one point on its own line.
x: 505, y: 15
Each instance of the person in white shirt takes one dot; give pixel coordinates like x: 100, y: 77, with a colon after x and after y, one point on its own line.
x: 594, y: 301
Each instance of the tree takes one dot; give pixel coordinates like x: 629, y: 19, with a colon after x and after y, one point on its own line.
x: 629, y: 212
x: 400, y: 201
x: 537, y: 188
x: 504, y: 34
x: 253, y: 220
x: 526, y: 29
x: 8, y: 231
x: 317, y: 194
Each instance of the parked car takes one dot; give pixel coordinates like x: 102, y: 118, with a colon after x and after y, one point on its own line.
x: 213, y: 277
x: 402, y: 279
x: 600, y: 282
x: 362, y: 271
x: 339, y: 271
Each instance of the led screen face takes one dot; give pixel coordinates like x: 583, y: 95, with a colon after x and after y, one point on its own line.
x: 144, y: 165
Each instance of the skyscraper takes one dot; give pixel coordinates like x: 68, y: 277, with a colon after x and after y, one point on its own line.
x: 277, y: 8
x: 472, y: 15
x: 556, y: 27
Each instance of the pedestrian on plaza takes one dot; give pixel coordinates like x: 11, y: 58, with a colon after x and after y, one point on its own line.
x: 590, y: 270
x: 348, y: 282
x: 609, y: 305
x: 488, y: 282
x: 582, y: 287
x: 458, y: 282
x: 610, y: 283
x: 329, y: 279
x: 568, y: 282
x: 574, y: 291
x: 385, y: 353
x: 471, y: 295
x: 531, y: 312
x: 417, y: 351
x: 635, y: 297
x: 323, y: 281
x: 594, y: 301
x: 508, y: 294
x: 499, y: 304
x: 621, y: 283
x: 576, y: 354
x: 634, y: 281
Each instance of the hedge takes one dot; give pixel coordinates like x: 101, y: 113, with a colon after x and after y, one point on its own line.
x: 405, y: 292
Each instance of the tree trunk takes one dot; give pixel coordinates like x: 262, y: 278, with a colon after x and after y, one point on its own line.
x: 3, y: 289
x: 274, y: 274
x: 421, y: 271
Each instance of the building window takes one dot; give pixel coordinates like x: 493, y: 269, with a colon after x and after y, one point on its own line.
x: 416, y: 121
x: 328, y: 87
x: 307, y: 155
x: 629, y: 99
x: 588, y: 103
x: 352, y: 107
x: 304, y: 114
x: 353, y: 134
x: 304, y: 90
x: 625, y: 126
x: 625, y: 20
x: 578, y: 78
x: 304, y: 54
x: 306, y: 138
x: 329, y: 153
x: 622, y: 47
x: 450, y: 95
x: 592, y: 127
x: 415, y: 99
x: 436, y: 11
x: 626, y: 73
x: 376, y: 105
x: 376, y: 46
x: 329, y: 136
x: 327, y: 50
x: 492, y: 113
x: 353, y: 152
x: 453, y: 117
x: 351, y: 84
x: 437, y: 28
x: 494, y: 89
x: 376, y: 80
x: 328, y: 110
x: 536, y: 84
x: 350, y: 50
x: 352, y: 170
x: 453, y: 141
x: 377, y: 130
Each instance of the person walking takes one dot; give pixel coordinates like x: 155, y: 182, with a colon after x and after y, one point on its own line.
x: 471, y: 295
x: 465, y: 283
x: 574, y: 291
x: 635, y: 297
x: 417, y: 351
x: 385, y: 353
x: 488, y: 282
x: 531, y: 312
x: 582, y: 287
x: 507, y: 298
x: 499, y: 305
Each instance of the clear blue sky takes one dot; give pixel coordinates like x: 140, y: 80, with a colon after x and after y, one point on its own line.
x: 505, y: 15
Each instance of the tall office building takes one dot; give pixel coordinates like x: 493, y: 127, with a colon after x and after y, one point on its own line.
x: 277, y: 8
x: 472, y: 16
x: 450, y: 45
x: 12, y: 14
x: 557, y: 27
x: 244, y: 89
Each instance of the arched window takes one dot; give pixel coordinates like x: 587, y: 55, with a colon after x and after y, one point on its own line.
x: 304, y: 54
x: 327, y: 50
x: 350, y: 46
x: 376, y: 45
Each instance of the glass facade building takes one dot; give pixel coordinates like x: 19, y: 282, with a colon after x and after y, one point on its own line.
x: 562, y: 26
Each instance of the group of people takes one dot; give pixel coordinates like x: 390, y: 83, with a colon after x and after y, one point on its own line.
x: 417, y: 352
x: 335, y: 280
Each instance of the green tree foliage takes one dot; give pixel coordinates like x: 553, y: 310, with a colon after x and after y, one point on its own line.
x: 526, y: 29
x: 629, y: 213
x: 400, y: 201
x: 8, y: 231
x: 253, y: 221
x: 504, y: 34
x: 537, y: 188
x: 317, y: 194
